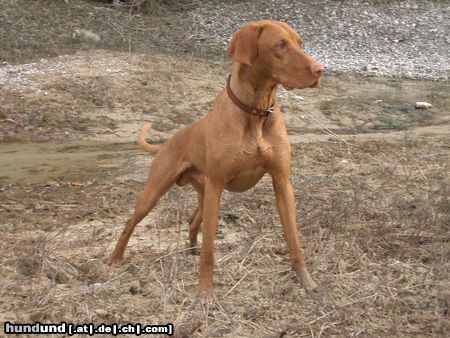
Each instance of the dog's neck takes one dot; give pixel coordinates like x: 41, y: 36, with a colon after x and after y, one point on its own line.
x: 253, y: 89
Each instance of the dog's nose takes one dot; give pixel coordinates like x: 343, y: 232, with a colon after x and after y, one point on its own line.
x: 316, y: 69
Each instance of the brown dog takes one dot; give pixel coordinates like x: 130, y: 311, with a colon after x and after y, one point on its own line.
x: 233, y: 146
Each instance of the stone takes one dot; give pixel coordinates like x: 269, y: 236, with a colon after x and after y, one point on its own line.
x: 423, y: 105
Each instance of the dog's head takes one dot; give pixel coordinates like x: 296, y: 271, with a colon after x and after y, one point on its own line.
x: 274, y: 49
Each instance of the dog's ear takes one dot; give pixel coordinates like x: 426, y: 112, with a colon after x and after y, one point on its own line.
x: 243, y: 46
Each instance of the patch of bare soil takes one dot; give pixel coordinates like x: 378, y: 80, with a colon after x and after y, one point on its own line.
x: 106, y: 96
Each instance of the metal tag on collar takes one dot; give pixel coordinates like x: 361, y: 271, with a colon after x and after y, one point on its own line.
x: 269, y: 113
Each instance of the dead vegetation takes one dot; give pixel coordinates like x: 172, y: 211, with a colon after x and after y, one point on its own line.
x: 374, y: 221
x: 50, y: 28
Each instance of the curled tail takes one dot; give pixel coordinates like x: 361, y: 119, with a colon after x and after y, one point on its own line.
x: 151, y: 148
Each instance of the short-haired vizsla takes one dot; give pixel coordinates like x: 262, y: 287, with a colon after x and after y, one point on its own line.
x: 242, y: 138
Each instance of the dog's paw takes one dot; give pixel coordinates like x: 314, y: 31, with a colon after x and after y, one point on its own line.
x: 205, y: 292
x: 307, y: 282
x: 310, y: 287
x: 206, y: 296
x: 192, y: 249
x: 115, y: 261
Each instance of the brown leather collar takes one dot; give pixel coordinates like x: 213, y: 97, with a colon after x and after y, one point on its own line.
x: 249, y: 110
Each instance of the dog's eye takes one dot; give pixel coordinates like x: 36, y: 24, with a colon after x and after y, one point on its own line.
x: 280, y: 46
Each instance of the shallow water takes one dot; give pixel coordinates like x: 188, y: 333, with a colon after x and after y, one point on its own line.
x: 42, y: 162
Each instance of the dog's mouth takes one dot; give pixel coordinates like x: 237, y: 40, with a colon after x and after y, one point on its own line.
x: 287, y: 87
x: 290, y: 87
x: 315, y: 84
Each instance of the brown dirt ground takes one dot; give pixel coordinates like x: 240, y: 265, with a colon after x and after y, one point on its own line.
x: 374, y: 222
x: 374, y: 215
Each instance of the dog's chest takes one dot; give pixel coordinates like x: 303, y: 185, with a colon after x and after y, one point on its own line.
x: 257, y: 149
x: 248, y: 167
x: 249, y: 164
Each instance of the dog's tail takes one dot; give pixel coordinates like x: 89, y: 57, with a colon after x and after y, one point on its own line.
x: 151, y: 148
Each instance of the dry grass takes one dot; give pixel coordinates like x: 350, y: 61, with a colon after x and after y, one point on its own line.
x: 375, y: 230
x: 47, y: 28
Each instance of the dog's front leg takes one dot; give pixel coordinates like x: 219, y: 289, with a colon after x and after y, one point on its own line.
x: 286, y: 207
x: 211, y: 203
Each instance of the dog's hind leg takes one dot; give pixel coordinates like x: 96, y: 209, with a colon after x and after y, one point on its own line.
x: 197, y: 180
x: 164, y: 171
x: 195, y: 222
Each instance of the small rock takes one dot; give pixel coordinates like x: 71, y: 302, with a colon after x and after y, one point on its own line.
x: 101, y: 312
x: 86, y: 35
x: 423, y: 105
x: 96, y: 285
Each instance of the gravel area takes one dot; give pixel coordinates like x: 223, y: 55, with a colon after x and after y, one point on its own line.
x: 407, y: 39
x: 22, y: 76
x: 402, y: 39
